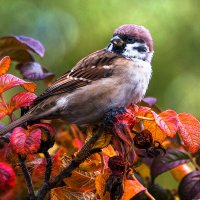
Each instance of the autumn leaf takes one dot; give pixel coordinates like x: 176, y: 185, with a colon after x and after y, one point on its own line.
x: 19, y: 55
x: 43, y: 127
x: 102, y: 142
x: 109, y: 151
x: 152, y: 125
x: 181, y: 171
x: 3, y: 110
x: 8, y: 81
x: 66, y: 193
x: 164, y: 124
x: 79, y: 180
x: 92, y: 164
x: 139, y: 110
x: 168, y: 122
x: 25, y: 141
x: 131, y: 188
x: 189, y: 186
x: 149, y: 100
x: 34, y: 71
x: 172, y: 159
x: 4, y: 65
x: 10, y: 44
x: 7, y: 177
x: 19, y: 100
x: 38, y: 167
x: 189, y: 130
x: 100, y: 183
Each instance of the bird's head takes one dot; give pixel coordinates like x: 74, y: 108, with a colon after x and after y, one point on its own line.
x: 133, y: 42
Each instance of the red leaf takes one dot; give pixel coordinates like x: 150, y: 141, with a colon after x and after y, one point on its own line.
x: 8, y: 81
x: 7, y: 177
x: 189, y: 129
x: 3, y: 110
x: 49, y: 127
x: 4, y: 65
x: 140, y: 110
x: 168, y: 122
x: 25, y: 141
x: 21, y: 99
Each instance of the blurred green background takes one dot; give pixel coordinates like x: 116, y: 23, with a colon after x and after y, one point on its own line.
x: 71, y: 30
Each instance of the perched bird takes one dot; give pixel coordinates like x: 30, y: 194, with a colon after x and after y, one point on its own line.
x: 115, y: 76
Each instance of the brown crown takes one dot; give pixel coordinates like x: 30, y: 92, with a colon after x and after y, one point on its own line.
x: 139, y: 32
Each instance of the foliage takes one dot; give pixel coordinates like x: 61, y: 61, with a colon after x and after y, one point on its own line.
x: 105, y: 162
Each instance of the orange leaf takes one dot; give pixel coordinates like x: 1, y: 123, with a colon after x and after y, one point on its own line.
x: 189, y: 130
x: 4, y: 65
x: 3, y: 110
x: 131, y: 188
x: 165, y: 124
x: 66, y: 193
x: 8, y: 81
x: 109, y: 151
x: 93, y: 163
x: 102, y: 142
x: 100, y: 183
x: 157, y: 133
x: 181, y: 171
x: 79, y: 180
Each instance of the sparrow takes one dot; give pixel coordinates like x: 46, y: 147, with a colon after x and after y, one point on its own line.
x: 116, y: 76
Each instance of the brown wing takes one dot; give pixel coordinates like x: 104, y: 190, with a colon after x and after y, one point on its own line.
x: 87, y: 70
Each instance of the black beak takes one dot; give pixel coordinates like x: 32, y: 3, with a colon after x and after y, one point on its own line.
x: 117, y: 41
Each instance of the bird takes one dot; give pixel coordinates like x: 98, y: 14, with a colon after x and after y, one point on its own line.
x: 115, y: 76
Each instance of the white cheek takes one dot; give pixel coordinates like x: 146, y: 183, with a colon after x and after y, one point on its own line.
x: 134, y: 53
x: 131, y: 52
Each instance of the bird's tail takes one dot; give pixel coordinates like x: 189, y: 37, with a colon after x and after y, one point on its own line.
x: 15, y: 123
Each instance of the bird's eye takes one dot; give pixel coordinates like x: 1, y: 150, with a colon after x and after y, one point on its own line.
x: 141, y: 49
x: 130, y: 40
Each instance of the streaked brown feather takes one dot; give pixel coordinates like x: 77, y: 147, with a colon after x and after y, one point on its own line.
x: 90, y: 68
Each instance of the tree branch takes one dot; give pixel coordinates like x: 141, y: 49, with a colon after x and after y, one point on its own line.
x: 48, y: 166
x: 81, y: 156
x: 27, y: 177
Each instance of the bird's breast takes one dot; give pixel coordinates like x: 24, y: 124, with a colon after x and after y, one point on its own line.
x: 134, y: 81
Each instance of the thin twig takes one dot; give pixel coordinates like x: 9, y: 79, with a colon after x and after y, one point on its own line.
x: 81, y: 156
x: 27, y: 177
x: 149, y: 195
x: 194, y: 163
x: 48, y: 166
x: 145, y: 118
